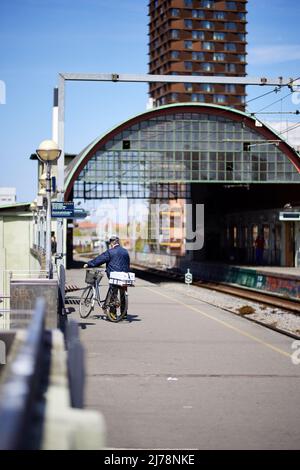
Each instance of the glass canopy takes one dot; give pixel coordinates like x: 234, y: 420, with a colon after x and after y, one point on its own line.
x: 159, y: 157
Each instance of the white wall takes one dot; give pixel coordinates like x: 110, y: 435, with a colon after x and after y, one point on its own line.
x: 15, y: 244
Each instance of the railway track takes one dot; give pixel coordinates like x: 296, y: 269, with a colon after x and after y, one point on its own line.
x: 288, y: 305
x: 255, y: 296
x: 237, y: 291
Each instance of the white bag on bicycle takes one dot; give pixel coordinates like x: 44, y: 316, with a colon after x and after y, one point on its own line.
x: 120, y: 278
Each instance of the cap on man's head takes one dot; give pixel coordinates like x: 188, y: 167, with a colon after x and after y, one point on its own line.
x: 114, y: 239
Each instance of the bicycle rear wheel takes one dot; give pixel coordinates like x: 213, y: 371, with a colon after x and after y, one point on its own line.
x: 116, y: 303
x: 87, y: 302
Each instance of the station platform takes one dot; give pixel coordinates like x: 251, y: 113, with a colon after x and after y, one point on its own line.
x: 182, y: 374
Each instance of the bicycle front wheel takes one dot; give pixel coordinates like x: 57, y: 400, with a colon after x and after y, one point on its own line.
x: 116, y: 303
x: 87, y: 301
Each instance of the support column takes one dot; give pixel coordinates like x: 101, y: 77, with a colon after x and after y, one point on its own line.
x: 60, y: 184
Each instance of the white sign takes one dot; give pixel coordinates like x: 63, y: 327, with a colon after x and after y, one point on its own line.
x: 188, y: 278
x: 289, y: 216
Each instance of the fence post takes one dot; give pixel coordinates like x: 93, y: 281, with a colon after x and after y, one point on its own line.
x: 76, y: 371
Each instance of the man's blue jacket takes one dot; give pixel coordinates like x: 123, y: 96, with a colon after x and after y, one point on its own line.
x: 116, y: 259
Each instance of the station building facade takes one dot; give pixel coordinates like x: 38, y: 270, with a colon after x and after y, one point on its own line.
x: 198, y: 154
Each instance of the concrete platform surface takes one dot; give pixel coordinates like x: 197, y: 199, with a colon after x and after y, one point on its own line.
x: 182, y: 374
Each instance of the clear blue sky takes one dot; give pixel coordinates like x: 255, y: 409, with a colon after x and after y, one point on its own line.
x: 40, y: 38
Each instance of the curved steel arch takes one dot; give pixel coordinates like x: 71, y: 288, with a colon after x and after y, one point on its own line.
x: 83, y: 158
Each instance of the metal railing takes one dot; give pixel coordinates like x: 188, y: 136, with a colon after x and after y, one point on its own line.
x: 40, y: 385
x: 6, y: 276
x: 19, y: 384
x: 154, y: 259
x: 75, y: 363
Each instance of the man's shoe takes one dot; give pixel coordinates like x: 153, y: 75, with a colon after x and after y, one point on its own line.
x: 112, y: 315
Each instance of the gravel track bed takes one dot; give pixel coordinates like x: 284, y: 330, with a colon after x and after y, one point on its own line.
x: 271, y: 316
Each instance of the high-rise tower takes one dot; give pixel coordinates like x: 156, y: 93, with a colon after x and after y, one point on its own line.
x: 198, y: 37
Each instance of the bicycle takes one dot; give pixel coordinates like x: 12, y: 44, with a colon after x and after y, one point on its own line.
x: 115, y: 304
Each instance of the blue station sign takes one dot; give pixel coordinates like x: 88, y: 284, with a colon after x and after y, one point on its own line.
x: 62, y: 210
x: 80, y: 213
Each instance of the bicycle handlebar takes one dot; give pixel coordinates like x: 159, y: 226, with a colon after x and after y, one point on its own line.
x: 94, y: 269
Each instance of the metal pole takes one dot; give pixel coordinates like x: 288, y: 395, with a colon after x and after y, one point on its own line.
x: 149, y: 78
x: 60, y: 185
x: 61, y: 136
x: 48, y: 221
x: 55, y: 116
x: 55, y: 139
x: 61, y: 164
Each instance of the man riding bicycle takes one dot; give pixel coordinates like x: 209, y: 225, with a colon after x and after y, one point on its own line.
x: 116, y: 259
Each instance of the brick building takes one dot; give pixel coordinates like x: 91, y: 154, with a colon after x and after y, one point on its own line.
x: 198, y: 37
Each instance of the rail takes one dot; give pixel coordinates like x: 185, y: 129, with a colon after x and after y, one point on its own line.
x: 263, y: 296
x: 20, y: 383
x: 6, y: 277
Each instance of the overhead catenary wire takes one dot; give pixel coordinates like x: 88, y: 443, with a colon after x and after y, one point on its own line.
x: 276, y: 142
x: 294, y: 126
x: 274, y: 102
x: 275, y: 90
x: 278, y: 112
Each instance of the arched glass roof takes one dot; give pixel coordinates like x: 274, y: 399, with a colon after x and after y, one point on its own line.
x: 180, y: 144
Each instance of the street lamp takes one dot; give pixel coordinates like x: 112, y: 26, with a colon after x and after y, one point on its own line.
x: 48, y: 153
